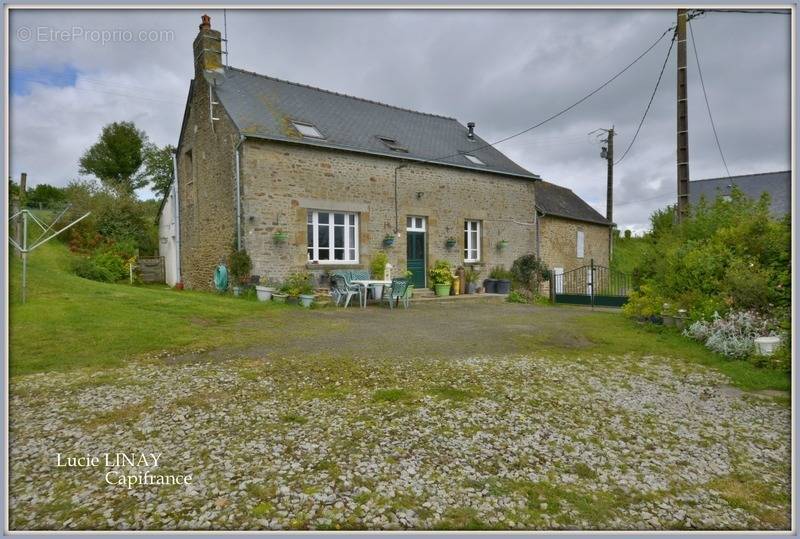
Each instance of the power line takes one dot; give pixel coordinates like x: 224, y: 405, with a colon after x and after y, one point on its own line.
x: 657, y: 197
x: 746, y: 11
x: 708, y: 107
x: 567, y: 109
x: 650, y: 102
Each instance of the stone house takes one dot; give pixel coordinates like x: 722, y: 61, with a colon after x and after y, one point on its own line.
x: 570, y: 232
x: 308, y: 179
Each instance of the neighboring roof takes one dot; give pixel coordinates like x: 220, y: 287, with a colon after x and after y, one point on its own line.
x: 264, y: 107
x: 552, y: 199
x: 777, y: 184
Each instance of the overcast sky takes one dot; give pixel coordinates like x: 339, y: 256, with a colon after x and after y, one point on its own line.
x: 504, y: 70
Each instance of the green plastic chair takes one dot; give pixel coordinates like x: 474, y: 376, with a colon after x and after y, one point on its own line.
x: 396, y: 292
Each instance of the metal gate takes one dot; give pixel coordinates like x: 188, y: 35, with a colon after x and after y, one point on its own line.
x: 591, y: 285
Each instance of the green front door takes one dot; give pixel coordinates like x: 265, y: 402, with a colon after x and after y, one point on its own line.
x: 415, y: 253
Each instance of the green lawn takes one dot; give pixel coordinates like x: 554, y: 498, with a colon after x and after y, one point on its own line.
x: 69, y: 323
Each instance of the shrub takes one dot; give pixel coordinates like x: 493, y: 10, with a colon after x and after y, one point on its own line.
x: 728, y: 255
x: 378, y: 264
x: 297, y: 284
x: 471, y: 275
x: 104, y: 266
x: 441, y: 273
x: 733, y: 335
x: 528, y: 271
x: 240, y: 265
x: 643, y: 303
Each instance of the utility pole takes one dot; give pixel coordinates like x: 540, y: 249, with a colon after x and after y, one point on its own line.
x: 607, y: 153
x: 610, y: 186
x: 683, y: 119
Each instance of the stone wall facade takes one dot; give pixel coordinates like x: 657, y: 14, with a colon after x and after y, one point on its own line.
x: 281, y: 182
x: 206, y: 174
x: 558, y: 243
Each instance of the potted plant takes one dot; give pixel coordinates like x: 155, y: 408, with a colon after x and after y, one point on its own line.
x: 681, y: 319
x: 279, y: 296
x: 502, y: 244
x: 442, y: 277
x: 388, y: 240
x: 502, y: 280
x: 450, y: 243
x: 298, y: 288
x: 377, y: 268
x: 240, y: 266
x: 264, y: 291
x: 471, y: 279
x: 280, y: 236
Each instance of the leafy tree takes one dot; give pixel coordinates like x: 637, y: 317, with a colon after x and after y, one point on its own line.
x: 45, y: 195
x: 158, y: 167
x: 116, y: 157
x: 13, y: 189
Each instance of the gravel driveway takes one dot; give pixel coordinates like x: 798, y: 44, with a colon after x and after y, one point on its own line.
x: 484, y: 441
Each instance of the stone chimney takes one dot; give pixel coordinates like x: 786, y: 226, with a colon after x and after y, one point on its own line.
x: 207, y: 49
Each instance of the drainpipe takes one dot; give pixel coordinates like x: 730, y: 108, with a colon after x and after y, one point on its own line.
x: 396, y: 211
x: 177, y: 212
x: 536, y: 220
x: 238, y: 196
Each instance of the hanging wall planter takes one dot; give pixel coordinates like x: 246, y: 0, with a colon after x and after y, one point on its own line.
x: 388, y: 240
x: 450, y: 243
x: 502, y: 244
x: 280, y: 237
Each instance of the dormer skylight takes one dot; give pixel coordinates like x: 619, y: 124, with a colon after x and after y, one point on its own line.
x: 307, y: 130
x: 474, y: 160
x: 393, y: 145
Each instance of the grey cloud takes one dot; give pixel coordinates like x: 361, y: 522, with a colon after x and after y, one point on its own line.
x: 505, y: 70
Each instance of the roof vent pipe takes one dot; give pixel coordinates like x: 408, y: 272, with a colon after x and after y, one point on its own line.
x: 471, y: 132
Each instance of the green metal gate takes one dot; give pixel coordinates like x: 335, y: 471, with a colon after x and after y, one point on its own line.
x: 591, y: 285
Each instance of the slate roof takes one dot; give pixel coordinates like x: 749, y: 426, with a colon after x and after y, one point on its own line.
x: 552, y: 199
x: 264, y: 107
x: 777, y: 184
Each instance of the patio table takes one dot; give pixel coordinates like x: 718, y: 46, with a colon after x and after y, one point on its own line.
x: 366, y: 283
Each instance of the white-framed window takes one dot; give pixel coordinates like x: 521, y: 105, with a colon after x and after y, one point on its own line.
x: 307, y: 130
x: 474, y: 160
x: 579, y: 244
x: 415, y: 224
x: 332, y: 237
x: 472, y: 241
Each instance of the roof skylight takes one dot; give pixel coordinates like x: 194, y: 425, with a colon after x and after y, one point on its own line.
x: 307, y: 130
x: 393, y: 145
x: 474, y: 160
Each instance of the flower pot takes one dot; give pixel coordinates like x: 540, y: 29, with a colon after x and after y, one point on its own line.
x: 681, y: 322
x: 450, y: 244
x: 264, y: 293
x: 377, y: 291
x: 766, y: 346
x: 472, y: 288
x: 237, y: 290
x: 280, y: 237
x: 306, y: 300
x: 279, y: 297
x: 503, y: 286
x: 669, y: 320
x: 502, y: 244
x: 388, y: 241
x: 179, y: 285
x: 292, y: 300
x: 442, y: 289
x: 490, y: 286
